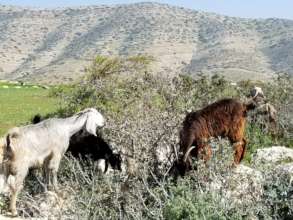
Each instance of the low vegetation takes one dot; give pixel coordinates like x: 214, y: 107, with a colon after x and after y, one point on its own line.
x: 144, y: 113
x: 21, y: 102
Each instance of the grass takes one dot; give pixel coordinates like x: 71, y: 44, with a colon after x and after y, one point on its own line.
x: 19, y: 105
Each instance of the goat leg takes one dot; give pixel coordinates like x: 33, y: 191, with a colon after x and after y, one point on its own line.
x: 239, y: 150
x: 54, y: 180
x: 53, y: 168
x: 46, y: 175
x: 15, y: 185
x: 51, y: 177
x: 12, y: 205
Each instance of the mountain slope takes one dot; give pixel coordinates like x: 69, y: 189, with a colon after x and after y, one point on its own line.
x: 55, y: 45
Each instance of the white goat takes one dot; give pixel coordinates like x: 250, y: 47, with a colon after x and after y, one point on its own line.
x: 43, y: 144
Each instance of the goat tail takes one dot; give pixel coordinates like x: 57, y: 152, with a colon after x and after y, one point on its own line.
x: 11, y: 140
x: 2, y: 148
x: 7, y: 140
x: 8, y: 149
x: 6, y: 155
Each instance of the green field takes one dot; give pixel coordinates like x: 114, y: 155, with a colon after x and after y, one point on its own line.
x: 18, y: 104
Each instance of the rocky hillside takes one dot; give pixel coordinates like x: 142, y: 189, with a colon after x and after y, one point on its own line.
x: 55, y: 45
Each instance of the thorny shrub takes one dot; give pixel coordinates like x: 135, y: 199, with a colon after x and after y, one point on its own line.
x: 144, y: 114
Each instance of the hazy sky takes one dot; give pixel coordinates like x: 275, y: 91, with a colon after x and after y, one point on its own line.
x: 239, y: 8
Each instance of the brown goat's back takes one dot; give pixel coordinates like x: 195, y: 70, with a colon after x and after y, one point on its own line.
x: 216, y: 119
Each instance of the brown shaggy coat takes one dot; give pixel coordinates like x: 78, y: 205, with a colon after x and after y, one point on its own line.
x: 224, y: 118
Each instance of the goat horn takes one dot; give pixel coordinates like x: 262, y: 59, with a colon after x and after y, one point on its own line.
x: 187, y: 153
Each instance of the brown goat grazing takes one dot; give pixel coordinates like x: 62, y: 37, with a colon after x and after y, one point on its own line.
x: 224, y: 118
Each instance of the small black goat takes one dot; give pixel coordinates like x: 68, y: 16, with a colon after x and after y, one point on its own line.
x: 95, y: 148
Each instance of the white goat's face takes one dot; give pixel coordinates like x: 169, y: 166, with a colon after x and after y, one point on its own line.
x: 257, y: 91
x: 94, y: 120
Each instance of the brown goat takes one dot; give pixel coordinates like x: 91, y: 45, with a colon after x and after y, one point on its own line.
x: 224, y: 118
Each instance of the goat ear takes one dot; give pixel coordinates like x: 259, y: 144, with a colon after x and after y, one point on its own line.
x: 91, y: 125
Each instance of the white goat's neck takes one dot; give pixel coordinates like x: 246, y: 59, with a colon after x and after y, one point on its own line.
x: 75, y: 123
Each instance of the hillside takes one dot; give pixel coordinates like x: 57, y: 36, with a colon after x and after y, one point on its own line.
x: 55, y: 45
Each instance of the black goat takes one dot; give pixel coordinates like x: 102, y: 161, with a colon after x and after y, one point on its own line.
x: 95, y: 148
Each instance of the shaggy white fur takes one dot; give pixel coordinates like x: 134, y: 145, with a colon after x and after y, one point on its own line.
x: 44, y: 144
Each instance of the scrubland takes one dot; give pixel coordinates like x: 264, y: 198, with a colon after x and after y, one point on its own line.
x: 144, y: 112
